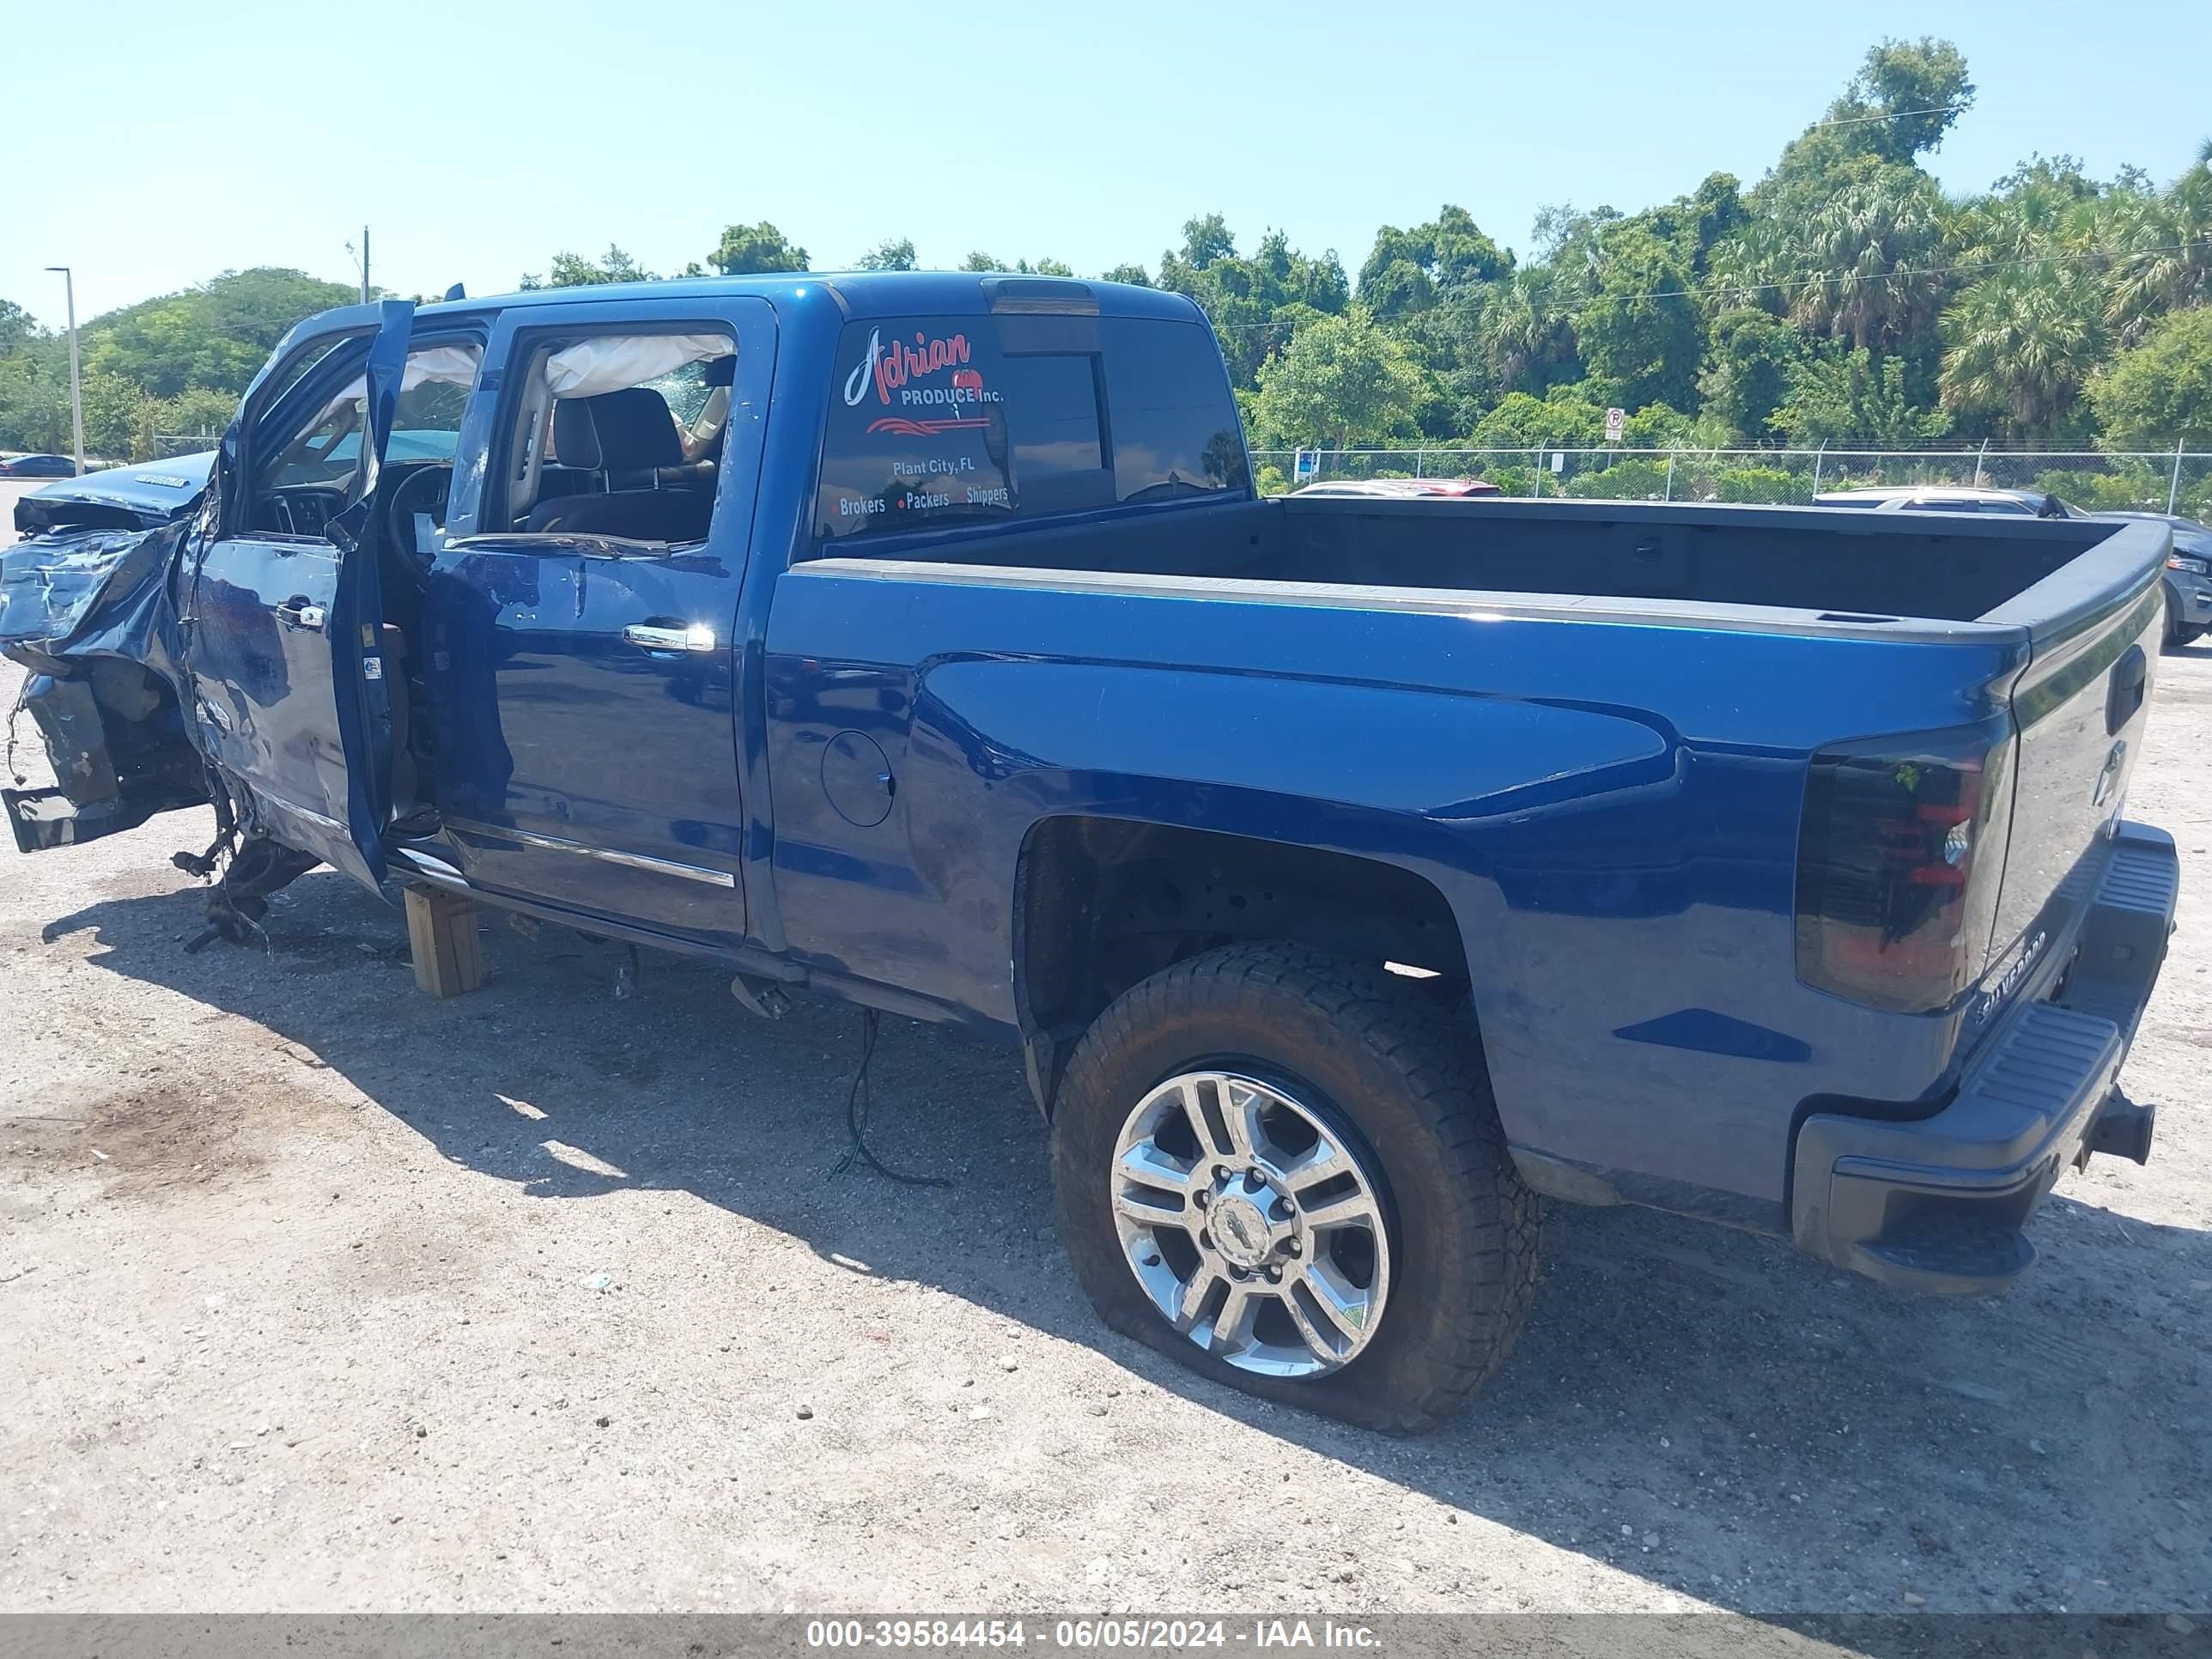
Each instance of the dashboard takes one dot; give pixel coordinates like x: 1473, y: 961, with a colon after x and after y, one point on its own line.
x: 298, y: 509
x: 406, y: 494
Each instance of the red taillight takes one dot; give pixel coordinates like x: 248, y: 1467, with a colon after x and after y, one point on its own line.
x: 1898, y: 865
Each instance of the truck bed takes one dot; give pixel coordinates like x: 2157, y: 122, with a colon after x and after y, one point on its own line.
x: 1605, y: 778
x: 1838, y: 565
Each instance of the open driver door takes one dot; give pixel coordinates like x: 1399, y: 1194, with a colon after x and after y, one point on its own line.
x: 284, y: 608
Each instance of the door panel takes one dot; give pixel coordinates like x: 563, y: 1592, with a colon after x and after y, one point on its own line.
x: 263, y: 682
x: 585, y: 689
x: 286, y: 679
x: 579, y: 766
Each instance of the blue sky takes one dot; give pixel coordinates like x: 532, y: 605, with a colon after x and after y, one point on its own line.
x: 153, y: 145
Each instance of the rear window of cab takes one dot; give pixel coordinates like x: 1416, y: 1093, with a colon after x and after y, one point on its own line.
x: 941, y: 421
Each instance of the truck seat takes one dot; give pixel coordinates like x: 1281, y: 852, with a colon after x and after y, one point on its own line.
x: 627, y: 432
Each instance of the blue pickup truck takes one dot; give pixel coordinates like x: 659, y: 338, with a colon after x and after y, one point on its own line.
x: 1350, y: 871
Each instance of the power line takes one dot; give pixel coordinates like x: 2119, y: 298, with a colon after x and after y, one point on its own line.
x: 1893, y: 115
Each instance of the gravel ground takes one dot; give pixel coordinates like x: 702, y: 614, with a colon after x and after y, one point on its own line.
x: 320, y: 1295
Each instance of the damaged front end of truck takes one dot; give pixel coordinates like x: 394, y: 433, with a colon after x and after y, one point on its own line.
x: 88, y: 606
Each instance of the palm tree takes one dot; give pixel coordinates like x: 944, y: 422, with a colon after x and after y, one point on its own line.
x: 1524, y: 326
x: 2020, y: 342
x: 2164, y: 251
x: 1869, y: 257
x: 2042, y: 214
x: 1753, y: 266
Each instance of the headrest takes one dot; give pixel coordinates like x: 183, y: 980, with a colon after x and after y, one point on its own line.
x: 626, y: 431
x: 720, y: 371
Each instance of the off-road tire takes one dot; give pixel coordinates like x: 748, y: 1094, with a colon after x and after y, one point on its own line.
x: 1400, y: 1067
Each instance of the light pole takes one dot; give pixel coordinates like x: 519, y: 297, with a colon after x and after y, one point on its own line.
x: 76, y: 384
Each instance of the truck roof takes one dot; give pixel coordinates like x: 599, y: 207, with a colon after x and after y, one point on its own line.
x: 869, y: 294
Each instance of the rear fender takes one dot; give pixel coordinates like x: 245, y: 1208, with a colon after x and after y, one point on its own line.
x: 1444, y: 787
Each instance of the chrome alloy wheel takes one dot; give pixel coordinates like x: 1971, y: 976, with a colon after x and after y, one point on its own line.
x: 1251, y: 1224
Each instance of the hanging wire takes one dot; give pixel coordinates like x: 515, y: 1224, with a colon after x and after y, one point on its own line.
x: 22, y: 703
x: 858, y: 1101
x: 1891, y: 115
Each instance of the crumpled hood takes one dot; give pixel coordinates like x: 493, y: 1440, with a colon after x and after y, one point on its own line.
x: 121, y: 497
x: 49, y: 584
x: 78, y: 595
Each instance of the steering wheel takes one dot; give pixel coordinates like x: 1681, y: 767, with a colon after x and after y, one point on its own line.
x: 422, y: 490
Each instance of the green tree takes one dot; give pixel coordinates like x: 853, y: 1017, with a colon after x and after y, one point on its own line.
x: 35, y: 409
x: 746, y: 250
x: 2160, y: 394
x: 196, y: 412
x: 1707, y: 217
x: 2165, y: 243
x: 1341, y: 382
x: 1642, y: 331
x: 1919, y: 88
x: 1842, y: 397
x: 1205, y: 241
x: 216, y: 335
x: 890, y: 256
x: 17, y: 326
x: 118, y: 416
x: 1904, y: 97
x: 1257, y: 305
x: 1636, y: 478
x: 1846, y: 235
x: 985, y: 262
x: 574, y: 270
x: 1746, y: 370
x: 1526, y: 333
x: 1655, y: 426
x: 1522, y: 422
x: 2045, y: 207
x: 1134, y: 275
x: 1877, y: 246
x: 1397, y: 290
x: 1288, y: 277
x: 1408, y: 271
x: 2021, y: 343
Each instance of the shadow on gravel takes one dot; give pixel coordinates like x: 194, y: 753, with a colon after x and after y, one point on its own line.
x: 1707, y: 1411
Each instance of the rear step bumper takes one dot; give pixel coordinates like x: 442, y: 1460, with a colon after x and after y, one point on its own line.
x: 1939, y: 1203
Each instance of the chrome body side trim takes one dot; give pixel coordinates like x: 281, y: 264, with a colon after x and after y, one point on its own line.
x: 633, y: 860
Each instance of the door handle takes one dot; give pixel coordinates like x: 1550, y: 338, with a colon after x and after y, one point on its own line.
x: 655, y: 636
x: 298, y: 613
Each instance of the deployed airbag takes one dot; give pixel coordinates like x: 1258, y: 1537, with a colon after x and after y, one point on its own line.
x: 612, y: 362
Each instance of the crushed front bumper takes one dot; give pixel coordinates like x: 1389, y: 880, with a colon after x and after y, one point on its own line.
x: 1939, y: 1203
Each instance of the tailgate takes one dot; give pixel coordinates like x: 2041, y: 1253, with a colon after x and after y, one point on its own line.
x: 2080, y: 708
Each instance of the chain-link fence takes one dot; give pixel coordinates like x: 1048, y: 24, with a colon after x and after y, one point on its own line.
x: 2169, y: 481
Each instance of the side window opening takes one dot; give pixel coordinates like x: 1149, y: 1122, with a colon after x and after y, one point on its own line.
x: 616, y: 434
x: 936, y: 422
x: 1176, y: 427
x: 302, y: 481
x: 299, y: 368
